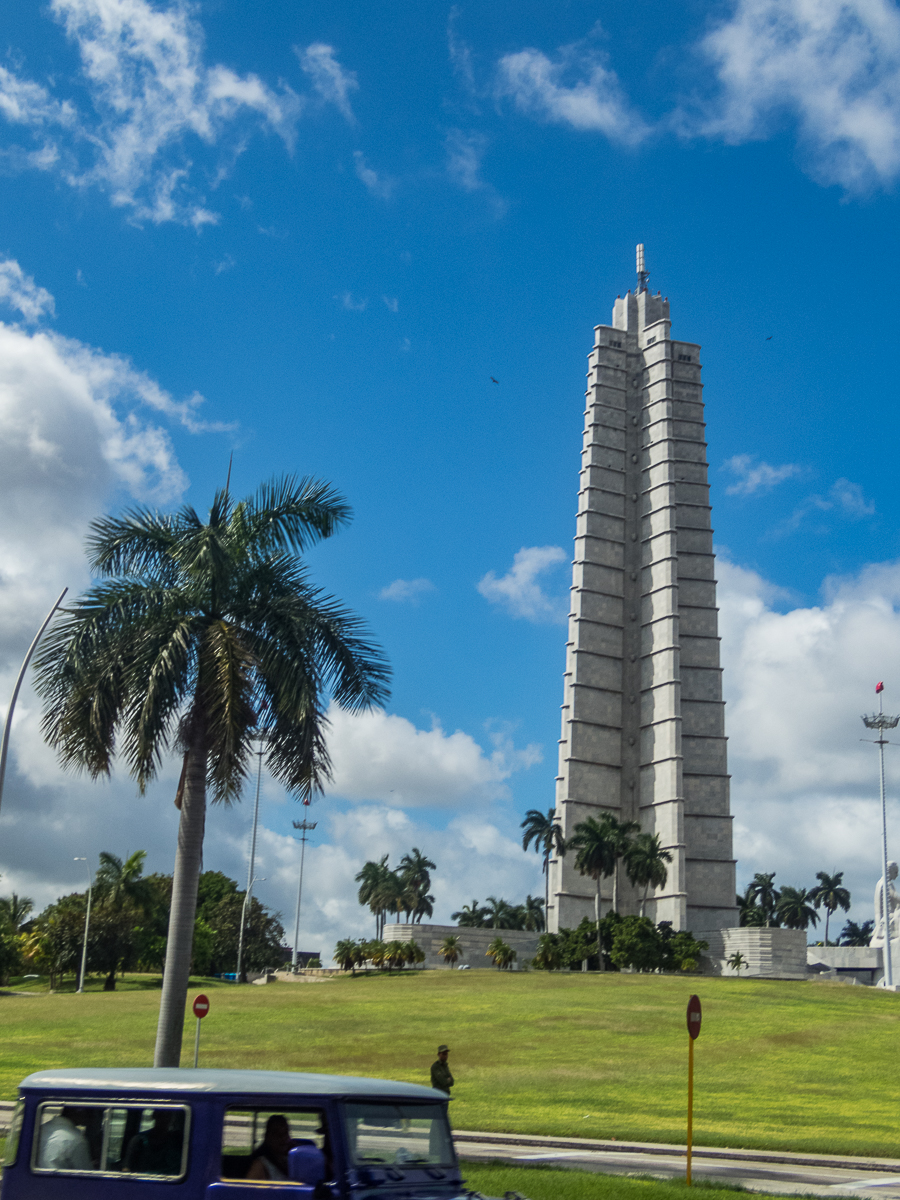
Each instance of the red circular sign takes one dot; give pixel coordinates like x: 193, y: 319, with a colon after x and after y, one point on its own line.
x: 694, y: 1016
x: 201, y: 1006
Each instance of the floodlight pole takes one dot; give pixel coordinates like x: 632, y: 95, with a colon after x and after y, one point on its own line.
x: 250, y: 869
x: 87, y: 924
x: 305, y: 826
x: 7, y: 726
x: 880, y: 721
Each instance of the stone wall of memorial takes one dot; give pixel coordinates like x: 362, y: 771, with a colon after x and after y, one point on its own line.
x: 473, y: 943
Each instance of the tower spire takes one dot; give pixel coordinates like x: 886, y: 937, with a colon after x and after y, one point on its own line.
x: 642, y: 273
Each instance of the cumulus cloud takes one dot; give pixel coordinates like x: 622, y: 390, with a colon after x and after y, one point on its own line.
x: 151, y: 103
x: 832, y: 66
x: 755, y: 477
x: 409, y: 590
x: 804, y: 786
x: 575, y: 87
x: 519, y: 590
x: 379, y: 756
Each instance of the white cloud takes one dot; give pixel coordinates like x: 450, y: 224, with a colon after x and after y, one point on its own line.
x: 844, y: 499
x: 351, y: 303
x: 378, y: 185
x: 406, y: 590
x: 152, y: 102
x: 378, y: 756
x: 19, y: 291
x: 391, y: 303
x: 757, y: 477
x: 804, y: 786
x: 575, y: 88
x: 833, y: 66
x: 333, y: 83
x: 520, y: 593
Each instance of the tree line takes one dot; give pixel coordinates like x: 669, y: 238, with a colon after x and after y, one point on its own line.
x: 627, y: 942
x: 764, y: 905
x: 129, y: 924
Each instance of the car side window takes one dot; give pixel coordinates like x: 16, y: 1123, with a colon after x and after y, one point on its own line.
x: 116, y: 1139
x: 252, y: 1139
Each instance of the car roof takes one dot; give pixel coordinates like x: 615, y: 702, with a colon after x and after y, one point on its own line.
x: 242, y: 1083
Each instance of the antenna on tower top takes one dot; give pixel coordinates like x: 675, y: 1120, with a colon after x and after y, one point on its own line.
x: 642, y: 273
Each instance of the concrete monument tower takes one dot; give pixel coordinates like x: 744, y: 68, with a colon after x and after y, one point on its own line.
x: 643, y: 721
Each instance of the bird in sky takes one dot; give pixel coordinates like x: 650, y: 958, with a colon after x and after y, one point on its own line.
x: 769, y: 338
x: 493, y: 380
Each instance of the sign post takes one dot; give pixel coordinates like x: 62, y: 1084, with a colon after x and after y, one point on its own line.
x: 694, y: 1017
x: 201, y: 1008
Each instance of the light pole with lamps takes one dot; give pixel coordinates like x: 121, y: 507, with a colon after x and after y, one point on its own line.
x: 880, y: 721
x: 87, y: 924
x: 250, y: 869
x: 306, y: 827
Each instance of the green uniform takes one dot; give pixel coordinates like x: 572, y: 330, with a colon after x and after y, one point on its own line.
x: 441, y: 1077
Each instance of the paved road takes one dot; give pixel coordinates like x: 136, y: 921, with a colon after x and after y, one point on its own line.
x: 788, y: 1174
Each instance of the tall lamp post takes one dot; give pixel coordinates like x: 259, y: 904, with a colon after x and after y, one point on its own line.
x: 306, y: 827
x: 880, y: 721
x: 7, y: 726
x: 87, y: 925
x: 251, y: 867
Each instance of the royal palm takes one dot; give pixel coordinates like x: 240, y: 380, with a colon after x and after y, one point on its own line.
x: 830, y: 895
x: 548, y: 840
x: 200, y: 635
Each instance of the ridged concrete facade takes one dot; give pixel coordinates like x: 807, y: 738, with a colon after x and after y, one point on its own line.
x: 643, y: 722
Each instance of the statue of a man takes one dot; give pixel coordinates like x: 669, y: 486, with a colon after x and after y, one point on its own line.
x: 893, y: 908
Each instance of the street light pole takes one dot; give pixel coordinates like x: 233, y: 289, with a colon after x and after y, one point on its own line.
x: 306, y: 827
x: 87, y: 924
x: 250, y: 868
x: 880, y: 721
x: 4, y: 744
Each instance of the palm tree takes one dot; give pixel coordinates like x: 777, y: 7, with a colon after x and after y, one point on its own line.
x: 548, y: 840
x: 371, y: 880
x: 549, y: 953
x: 471, y: 916
x: 15, y: 911
x: 596, y: 857
x: 750, y: 914
x: 500, y: 914
x: 345, y: 955
x: 830, y: 895
x: 502, y: 953
x: 450, y: 949
x: 118, y: 883
x: 737, y: 962
x: 415, y: 871
x: 763, y: 892
x: 533, y: 910
x: 620, y: 834
x: 794, y: 909
x: 206, y: 634
x: 645, y: 864
x: 857, y: 935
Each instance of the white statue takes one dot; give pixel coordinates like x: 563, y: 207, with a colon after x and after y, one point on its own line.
x: 893, y: 909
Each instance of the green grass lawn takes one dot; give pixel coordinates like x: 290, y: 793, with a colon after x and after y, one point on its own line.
x: 795, y: 1066
x: 561, y: 1183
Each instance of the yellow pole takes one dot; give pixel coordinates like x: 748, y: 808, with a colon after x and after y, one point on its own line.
x: 690, y: 1113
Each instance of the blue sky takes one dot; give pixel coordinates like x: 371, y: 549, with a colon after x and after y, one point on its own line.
x: 312, y: 237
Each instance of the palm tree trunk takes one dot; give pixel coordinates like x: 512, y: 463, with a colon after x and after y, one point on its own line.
x: 827, y: 915
x: 615, y: 906
x: 547, y: 889
x: 599, y: 939
x: 180, y: 942
x: 646, y: 893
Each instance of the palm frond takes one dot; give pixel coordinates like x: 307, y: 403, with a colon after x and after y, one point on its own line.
x: 289, y: 513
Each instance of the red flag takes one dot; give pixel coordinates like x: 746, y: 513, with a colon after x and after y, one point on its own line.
x: 879, y: 687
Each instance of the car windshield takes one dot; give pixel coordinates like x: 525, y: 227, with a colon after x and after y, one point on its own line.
x: 398, y: 1134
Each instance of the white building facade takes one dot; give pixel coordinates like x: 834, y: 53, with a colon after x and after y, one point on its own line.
x: 643, y: 721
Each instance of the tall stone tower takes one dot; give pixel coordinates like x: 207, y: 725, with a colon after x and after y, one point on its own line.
x: 643, y: 721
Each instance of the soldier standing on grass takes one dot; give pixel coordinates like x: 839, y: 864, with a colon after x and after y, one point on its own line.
x: 440, y: 1072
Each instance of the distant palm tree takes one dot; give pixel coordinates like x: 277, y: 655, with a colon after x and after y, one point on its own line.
x: 371, y: 880
x: 549, y: 953
x: 596, y: 856
x: 450, y: 949
x: 414, y: 874
x: 750, y: 914
x: 794, y: 910
x: 533, y: 912
x: 548, y: 840
x: 502, y: 953
x: 620, y: 834
x: 764, y: 894
x: 501, y: 914
x: 15, y: 911
x: 830, y: 895
x: 205, y: 634
x: 857, y: 935
x: 117, y: 883
x: 737, y: 962
x: 645, y: 864
x: 471, y: 916
x: 345, y: 955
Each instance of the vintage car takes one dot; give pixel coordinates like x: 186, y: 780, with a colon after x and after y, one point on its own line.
x: 141, y: 1133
